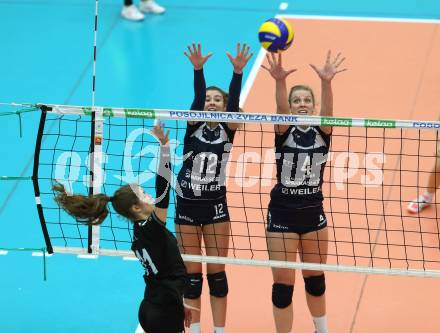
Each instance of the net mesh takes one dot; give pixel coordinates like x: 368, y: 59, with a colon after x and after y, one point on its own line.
x: 371, y: 176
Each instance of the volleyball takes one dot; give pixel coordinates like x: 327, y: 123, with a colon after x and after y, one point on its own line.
x: 275, y: 35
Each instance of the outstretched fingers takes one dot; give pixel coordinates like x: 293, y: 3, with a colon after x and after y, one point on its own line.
x: 339, y: 62
x: 189, y: 53
x: 290, y: 71
x: 341, y: 70
x: 269, y: 60
x: 247, y: 55
x: 274, y: 59
x: 191, y: 50
x: 336, y: 58
x: 329, y: 55
x: 246, y: 52
x: 245, y: 49
x: 231, y: 58
x: 314, y: 68
x: 209, y: 55
x: 266, y: 68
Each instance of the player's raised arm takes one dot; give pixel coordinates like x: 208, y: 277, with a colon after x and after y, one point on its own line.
x: 279, y: 74
x: 163, y: 176
x: 326, y: 73
x: 238, y: 62
x: 198, y: 60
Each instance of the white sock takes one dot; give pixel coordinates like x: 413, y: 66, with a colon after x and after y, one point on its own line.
x: 320, y: 324
x: 219, y: 329
x: 428, y: 196
x: 195, y: 328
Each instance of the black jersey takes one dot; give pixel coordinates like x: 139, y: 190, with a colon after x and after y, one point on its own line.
x: 206, y: 152
x: 301, y: 157
x: 156, y: 248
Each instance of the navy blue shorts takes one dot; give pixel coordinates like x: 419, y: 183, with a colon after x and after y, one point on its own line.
x: 299, y: 221
x: 201, y: 212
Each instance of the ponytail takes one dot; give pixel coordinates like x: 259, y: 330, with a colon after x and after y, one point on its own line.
x: 93, y: 209
x: 90, y: 210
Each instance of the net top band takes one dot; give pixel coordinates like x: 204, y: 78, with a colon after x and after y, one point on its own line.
x: 232, y: 117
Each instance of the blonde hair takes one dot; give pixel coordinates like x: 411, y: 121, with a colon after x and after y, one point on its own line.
x: 301, y: 87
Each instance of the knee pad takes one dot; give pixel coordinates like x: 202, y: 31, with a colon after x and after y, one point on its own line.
x: 282, y: 295
x: 315, y: 285
x: 194, y: 286
x: 218, y: 284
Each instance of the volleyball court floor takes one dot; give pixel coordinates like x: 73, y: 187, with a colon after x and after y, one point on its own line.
x: 393, y: 72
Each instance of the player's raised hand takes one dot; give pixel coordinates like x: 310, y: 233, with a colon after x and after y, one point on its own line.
x: 196, y: 57
x: 158, y: 132
x: 330, y: 68
x: 241, y: 59
x: 276, y: 68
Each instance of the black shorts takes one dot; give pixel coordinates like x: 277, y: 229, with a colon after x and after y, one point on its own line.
x: 161, y: 310
x: 158, y: 318
x: 201, y: 212
x: 299, y: 221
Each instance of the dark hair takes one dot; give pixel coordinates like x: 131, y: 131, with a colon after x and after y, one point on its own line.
x: 221, y: 91
x: 93, y: 209
x: 224, y: 94
x: 301, y: 87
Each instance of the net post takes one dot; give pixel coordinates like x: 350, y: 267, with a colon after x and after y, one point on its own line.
x: 96, y: 175
x: 35, y: 181
x: 95, y: 145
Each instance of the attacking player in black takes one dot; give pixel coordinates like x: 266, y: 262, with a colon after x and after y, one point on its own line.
x: 162, y: 309
x: 201, y: 207
x: 296, y: 221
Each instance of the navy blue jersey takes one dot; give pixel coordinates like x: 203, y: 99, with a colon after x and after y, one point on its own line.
x: 301, y: 157
x: 156, y: 248
x: 206, y: 152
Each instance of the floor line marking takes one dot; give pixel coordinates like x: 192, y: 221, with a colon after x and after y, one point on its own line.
x: 130, y: 259
x: 359, y: 18
x: 40, y: 254
x: 252, y: 76
x: 87, y: 256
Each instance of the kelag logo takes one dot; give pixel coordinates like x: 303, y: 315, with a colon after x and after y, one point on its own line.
x: 139, y: 113
x: 106, y: 112
x: 330, y: 121
x: 380, y: 123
